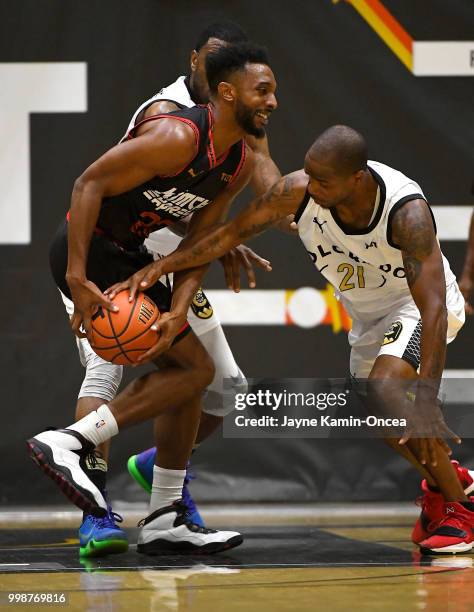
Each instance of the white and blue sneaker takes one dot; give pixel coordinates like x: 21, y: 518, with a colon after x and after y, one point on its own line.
x: 140, y: 467
x: 170, y: 530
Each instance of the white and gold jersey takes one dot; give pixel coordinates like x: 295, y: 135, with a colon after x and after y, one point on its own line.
x: 177, y: 92
x: 364, y: 266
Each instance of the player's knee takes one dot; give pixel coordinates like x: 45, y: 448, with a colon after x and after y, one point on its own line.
x: 221, y: 396
x: 102, y: 379
x: 207, y: 370
x: 201, y: 371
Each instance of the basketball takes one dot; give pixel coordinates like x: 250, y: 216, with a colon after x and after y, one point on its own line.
x: 122, y: 337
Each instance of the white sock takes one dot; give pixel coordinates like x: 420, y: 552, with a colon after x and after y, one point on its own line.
x: 167, y: 487
x: 98, y: 426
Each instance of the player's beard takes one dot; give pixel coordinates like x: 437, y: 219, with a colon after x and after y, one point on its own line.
x: 245, y: 117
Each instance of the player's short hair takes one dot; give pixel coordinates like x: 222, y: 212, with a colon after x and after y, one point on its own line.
x: 343, y: 147
x: 223, y: 62
x: 228, y: 31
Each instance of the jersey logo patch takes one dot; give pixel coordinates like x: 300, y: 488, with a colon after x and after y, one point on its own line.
x: 201, y: 306
x: 320, y: 225
x: 392, y: 333
x: 371, y: 244
x: 226, y: 177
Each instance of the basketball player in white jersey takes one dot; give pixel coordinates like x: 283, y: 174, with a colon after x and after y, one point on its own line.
x: 102, y: 379
x: 369, y: 230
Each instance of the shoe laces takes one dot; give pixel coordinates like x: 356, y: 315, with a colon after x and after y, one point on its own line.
x: 93, y: 456
x: 109, y: 520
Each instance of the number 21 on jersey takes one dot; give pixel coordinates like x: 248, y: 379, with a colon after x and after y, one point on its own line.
x: 349, y: 272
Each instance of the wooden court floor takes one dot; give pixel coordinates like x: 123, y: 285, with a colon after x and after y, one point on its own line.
x: 335, y: 563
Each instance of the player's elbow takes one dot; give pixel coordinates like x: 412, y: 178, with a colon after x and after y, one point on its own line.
x: 87, y: 185
x: 79, y: 185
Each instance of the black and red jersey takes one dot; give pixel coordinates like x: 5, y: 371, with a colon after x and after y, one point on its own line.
x: 130, y: 217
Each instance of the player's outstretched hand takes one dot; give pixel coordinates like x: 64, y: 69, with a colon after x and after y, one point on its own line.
x: 86, y: 297
x: 141, y: 280
x: 168, y: 326
x: 466, y: 288
x: 429, y: 429
x: 242, y: 257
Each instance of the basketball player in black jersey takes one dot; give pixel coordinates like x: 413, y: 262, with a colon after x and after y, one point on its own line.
x: 189, y: 161
x: 102, y: 379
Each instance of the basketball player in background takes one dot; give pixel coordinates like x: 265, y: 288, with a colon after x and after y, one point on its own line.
x: 371, y: 233
x: 198, y: 152
x: 102, y: 378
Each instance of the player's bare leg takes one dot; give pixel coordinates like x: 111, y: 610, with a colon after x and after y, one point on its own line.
x: 389, y: 368
x: 99, y: 536
x: 141, y: 465
x: 188, y: 370
x: 169, y: 526
x: 207, y: 426
x: 217, y: 402
x: 185, y: 372
x: 144, y: 398
x: 383, y: 364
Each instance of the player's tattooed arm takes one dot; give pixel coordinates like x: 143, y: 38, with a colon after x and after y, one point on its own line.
x: 413, y: 231
x: 282, y: 199
x: 265, y: 175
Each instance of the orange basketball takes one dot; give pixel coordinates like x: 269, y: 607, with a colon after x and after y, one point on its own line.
x: 121, y: 337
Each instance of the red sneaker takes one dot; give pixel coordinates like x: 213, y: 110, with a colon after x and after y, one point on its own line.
x: 432, y: 512
x: 465, y: 476
x: 454, y: 533
x: 432, y: 504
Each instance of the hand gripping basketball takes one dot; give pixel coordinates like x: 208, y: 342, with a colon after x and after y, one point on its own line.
x: 124, y: 336
x: 169, y: 326
x: 141, y: 280
x: 86, y: 297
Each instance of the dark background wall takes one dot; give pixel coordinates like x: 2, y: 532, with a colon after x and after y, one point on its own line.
x: 331, y: 68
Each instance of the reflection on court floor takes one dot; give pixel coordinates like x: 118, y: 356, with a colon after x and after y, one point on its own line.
x: 349, y: 563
